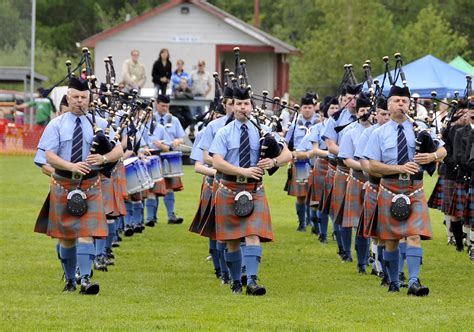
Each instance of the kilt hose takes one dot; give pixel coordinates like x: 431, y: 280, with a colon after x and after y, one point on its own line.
x: 112, y: 195
x: 325, y: 206
x: 319, y: 172
x: 456, y: 208
x: 231, y: 227
x: 204, y: 205
x: 54, y: 220
x: 296, y: 189
x: 469, y: 208
x: 436, y: 199
x: 339, y: 193
x: 354, y: 201
x: 448, y: 193
x: 208, y: 228
x: 174, y: 183
x: 159, y: 189
x: 368, y: 224
x: 418, y: 223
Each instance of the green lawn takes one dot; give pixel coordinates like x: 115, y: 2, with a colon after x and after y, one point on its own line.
x: 162, y: 280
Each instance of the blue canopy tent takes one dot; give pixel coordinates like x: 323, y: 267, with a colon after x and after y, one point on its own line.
x: 429, y: 74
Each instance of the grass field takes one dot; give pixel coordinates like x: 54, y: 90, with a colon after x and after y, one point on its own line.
x: 162, y: 280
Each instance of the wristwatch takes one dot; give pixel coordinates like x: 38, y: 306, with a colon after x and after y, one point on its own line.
x: 104, y: 159
x: 275, y: 162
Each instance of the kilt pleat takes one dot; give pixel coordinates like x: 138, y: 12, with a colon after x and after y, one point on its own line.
x: 436, y: 198
x: 174, y: 183
x: 296, y: 189
x: 231, y: 227
x: 369, y: 214
x: 418, y: 222
x: 319, y: 173
x: 456, y: 208
x: 204, y: 205
x: 448, y: 192
x: 159, y: 189
x: 208, y: 227
x: 353, y: 205
x: 338, y: 194
x: 326, y: 206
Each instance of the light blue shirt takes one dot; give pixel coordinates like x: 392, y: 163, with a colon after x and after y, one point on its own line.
x: 363, y: 140
x: 210, y: 132
x: 383, y: 145
x: 301, y: 130
x: 196, y: 152
x: 40, y: 157
x: 172, y: 125
x: 349, y: 141
x: 159, y: 134
x: 315, y: 134
x: 227, y: 143
x: 57, y: 136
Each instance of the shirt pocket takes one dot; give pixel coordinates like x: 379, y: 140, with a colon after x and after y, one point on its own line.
x: 65, y: 143
x: 389, y: 151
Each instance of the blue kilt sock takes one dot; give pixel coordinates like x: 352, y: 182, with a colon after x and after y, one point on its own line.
x: 414, y: 260
x: 338, y: 232
x: 69, y: 261
x: 169, y: 203
x: 119, y: 224
x: 308, y: 214
x: 381, y: 260
x: 243, y: 246
x: 220, y: 247
x: 253, y: 255
x: 323, y: 224
x: 110, y: 237
x: 362, y: 250
x: 151, y: 207
x: 403, y: 256
x: 85, y: 257
x: 391, y: 261
x: 300, y: 212
x: 214, y: 254
x: 128, y: 218
x: 234, y: 263
x: 315, y: 219
x: 142, y: 216
x: 99, y: 247
x: 347, y: 240
x: 137, y: 216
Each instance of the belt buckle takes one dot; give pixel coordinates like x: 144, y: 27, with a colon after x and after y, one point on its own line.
x: 404, y: 177
x: 76, y: 176
x: 241, y: 179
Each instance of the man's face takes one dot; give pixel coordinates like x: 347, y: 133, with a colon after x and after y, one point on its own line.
x: 307, y: 111
x: 229, y: 106
x: 78, y: 101
x: 351, y: 102
x: 362, y: 111
x: 135, y: 56
x: 162, y: 108
x: 471, y: 115
x: 382, y: 116
x: 242, y: 109
x: 398, y: 106
x: 183, y: 84
x: 332, y: 109
x: 201, y: 66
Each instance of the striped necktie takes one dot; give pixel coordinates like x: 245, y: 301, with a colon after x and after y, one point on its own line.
x: 402, y: 146
x: 76, y: 151
x: 244, y: 152
x: 162, y: 122
x: 307, y: 124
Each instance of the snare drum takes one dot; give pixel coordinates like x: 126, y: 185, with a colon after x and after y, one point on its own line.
x: 148, y: 182
x: 136, y: 175
x: 172, y: 164
x: 303, y: 169
x: 153, y: 165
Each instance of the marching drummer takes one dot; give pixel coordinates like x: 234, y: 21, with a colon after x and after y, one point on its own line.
x: 241, y: 205
x: 176, y: 133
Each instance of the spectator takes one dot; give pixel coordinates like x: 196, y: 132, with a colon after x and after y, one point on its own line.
x: 182, y: 112
x: 43, y: 105
x: 201, y: 84
x: 133, y: 72
x: 178, y: 74
x: 162, y: 72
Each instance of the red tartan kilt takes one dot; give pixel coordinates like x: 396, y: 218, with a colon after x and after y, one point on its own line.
x: 436, y: 199
x: 208, y: 228
x: 326, y: 206
x: 469, y: 208
x: 122, y: 179
x: 204, y: 206
x: 61, y: 225
x: 231, y: 227
x: 339, y: 194
x: 448, y: 192
x: 369, y: 214
x: 354, y: 203
x: 107, y: 194
x: 296, y: 189
x: 174, y: 183
x: 159, y: 189
x: 320, y: 171
x: 418, y: 222
x: 456, y: 208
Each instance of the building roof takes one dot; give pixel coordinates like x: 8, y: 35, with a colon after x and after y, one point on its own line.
x: 19, y: 74
x: 278, y: 45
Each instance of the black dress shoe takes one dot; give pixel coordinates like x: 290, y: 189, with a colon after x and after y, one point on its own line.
x: 129, y: 231
x: 346, y: 259
x: 115, y: 245
x: 374, y: 272
x: 175, y: 220
x: 255, y: 289
x: 109, y: 254
x: 315, y: 230
x: 243, y: 279
x: 384, y: 281
x: 236, y: 287
x: 99, y: 264
x: 88, y: 287
x: 70, y: 286
x: 150, y: 223
x: 361, y: 269
x: 403, y: 280
x: 137, y: 229
x: 393, y: 288
x: 418, y: 289
x: 301, y: 227
x: 218, y: 273
x: 323, y: 240
x: 225, y: 278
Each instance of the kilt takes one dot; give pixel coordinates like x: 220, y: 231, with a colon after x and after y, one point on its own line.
x: 57, y: 223
x: 418, y: 222
x: 469, y: 208
x: 448, y: 192
x: 354, y: 201
x: 159, y: 189
x: 339, y: 193
x: 204, y: 206
x: 208, y: 229
x: 436, y: 199
x: 325, y: 205
x: 107, y: 194
x: 174, y: 183
x: 456, y: 208
x: 231, y: 227
x: 121, y: 179
x: 318, y: 175
x: 369, y: 213
x: 296, y: 189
